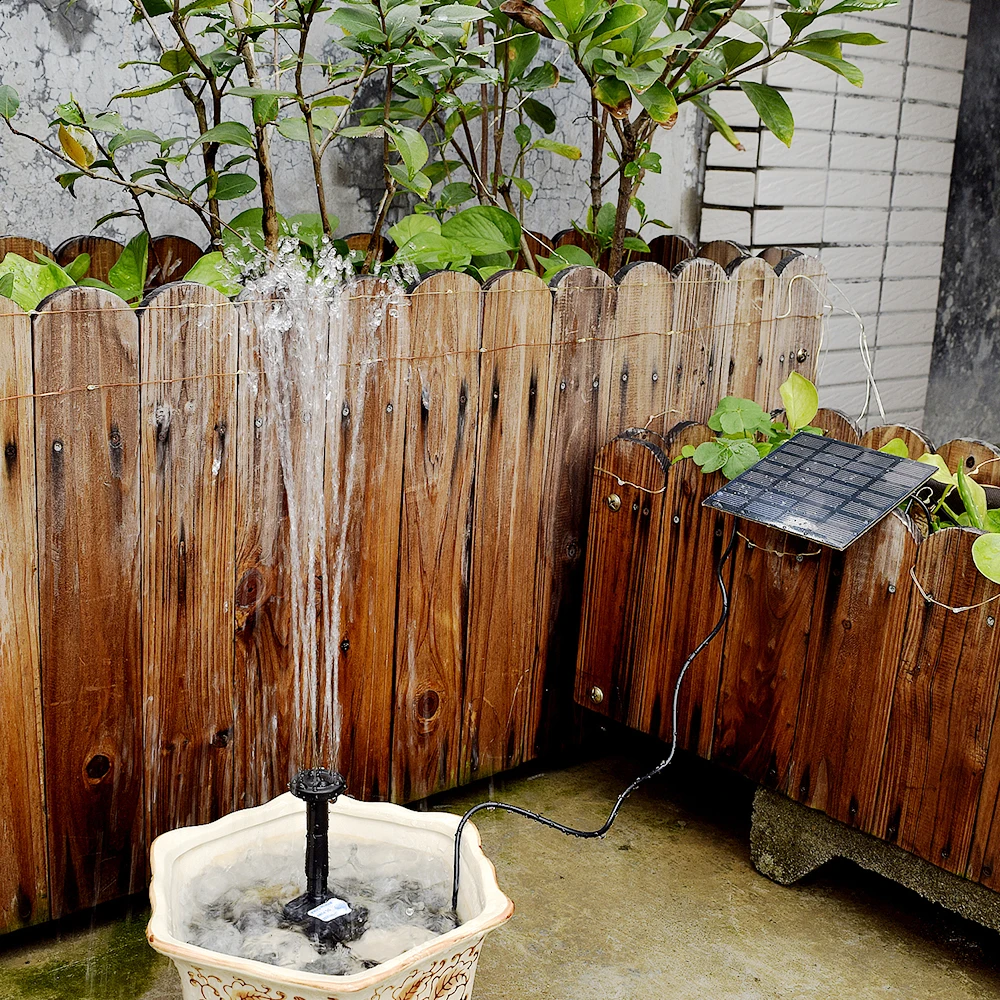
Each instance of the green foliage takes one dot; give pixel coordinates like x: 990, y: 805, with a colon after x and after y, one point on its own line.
x: 747, y: 432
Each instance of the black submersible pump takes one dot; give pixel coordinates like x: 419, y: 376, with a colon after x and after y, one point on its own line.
x: 324, y: 916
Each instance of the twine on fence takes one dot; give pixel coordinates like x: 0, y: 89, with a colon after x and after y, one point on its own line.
x: 932, y: 600
x: 774, y: 552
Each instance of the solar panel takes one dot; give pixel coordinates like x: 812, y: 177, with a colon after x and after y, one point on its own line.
x: 828, y: 491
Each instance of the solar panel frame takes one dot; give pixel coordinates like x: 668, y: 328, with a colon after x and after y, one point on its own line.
x: 827, y: 491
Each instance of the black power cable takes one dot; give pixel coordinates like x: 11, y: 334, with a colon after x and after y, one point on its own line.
x: 662, y: 766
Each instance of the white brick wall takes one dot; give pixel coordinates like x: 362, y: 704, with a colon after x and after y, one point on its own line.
x: 865, y: 185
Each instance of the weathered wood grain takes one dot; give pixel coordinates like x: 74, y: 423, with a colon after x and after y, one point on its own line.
x: 104, y: 254
x: 686, y: 605
x: 723, y: 252
x: 702, y: 321
x: 636, y: 379
x: 442, y: 399
x: 979, y: 458
x: 621, y: 582
x: 753, y: 293
x: 943, y: 707
x: 583, y: 325
x: 669, y: 251
x: 915, y: 441
x: 364, y: 493
x: 853, y: 655
x: 503, y: 707
x: 86, y: 454
x: 837, y: 425
x: 24, y: 247
x: 775, y: 255
x: 189, y: 342
x: 794, y: 345
x: 170, y: 258
x: 24, y: 888
x: 767, y: 641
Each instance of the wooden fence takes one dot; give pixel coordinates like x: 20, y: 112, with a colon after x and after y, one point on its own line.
x: 836, y: 681
x: 145, y: 666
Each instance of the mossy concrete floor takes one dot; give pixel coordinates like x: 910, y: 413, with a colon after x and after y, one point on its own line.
x: 668, y: 907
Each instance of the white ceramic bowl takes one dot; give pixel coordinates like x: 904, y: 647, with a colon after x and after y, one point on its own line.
x: 441, y: 969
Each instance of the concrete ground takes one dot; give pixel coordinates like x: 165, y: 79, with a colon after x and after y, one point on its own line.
x: 668, y: 907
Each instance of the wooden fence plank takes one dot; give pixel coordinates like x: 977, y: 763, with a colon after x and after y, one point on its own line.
x: 979, y: 457
x: 687, y: 606
x: 943, y: 707
x: 503, y: 706
x: 87, y: 447
x: 23, y: 871
x: 170, y: 258
x: 439, y: 475
x: 619, y: 606
x: 850, y: 674
x: 669, y: 251
x: 767, y: 640
x: 754, y: 289
x: 798, y: 325
x: 104, y: 254
x: 723, y: 252
x: 702, y: 298
x: 364, y: 486
x: 583, y: 325
x: 837, y: 425
x: 24, y: 247
x: 916, y: 441
x: 189, y: 339
x: 637, y: 377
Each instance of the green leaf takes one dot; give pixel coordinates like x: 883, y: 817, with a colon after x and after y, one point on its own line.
x: 541, y: 114
x: 736, y: 52
x: 215, y: 271
x: 459, y: 13
x: 128, y: 275
x: 846, y: 6
x: 360, y: 22
x: 429, y: 250
x: 78, y: 267
x: 254, y: 92
x: 9, y: 103
x: 523, y: 135
x: 484, y: 229
x: 156, y: 7
x: 844, y: 37
x: 296, y: 130
x: 419, y: 183
x: 993, y: 520
x: 742, y: 456
x: 408, y: 227
x: 7, y: 286
x: 232, y: 186
x: 227, y: 134
x: 942, y: 473
x: 710, y: 456
x: 614, y: 95
x: 736, y: 416
x: 773, y: 110
x: 524, y: 186
x: 847, y: 70
x: 721, y: 125
x: 457, y: 193
x: 331, y: 101
x: 30, y: 282
x: 986, y: 556
x: 897, y: 447
x: 618, y: 19
x: 542, y: 77
x: 973, y: 498
x: 265, y: 110
x: 660, y: 103
x: 154, y: 88
x: 67, y: 180
x: 801, y: 400
x: 410, y: 145
x: 635, y: 244
x: 521, y: 49
x: 175, y: 61
x: 129, y: 137
x: 559, y: 148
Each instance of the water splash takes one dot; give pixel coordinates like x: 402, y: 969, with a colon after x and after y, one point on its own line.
x: 319, y: 346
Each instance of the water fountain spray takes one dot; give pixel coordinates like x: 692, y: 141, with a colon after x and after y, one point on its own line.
x: 326, y: 918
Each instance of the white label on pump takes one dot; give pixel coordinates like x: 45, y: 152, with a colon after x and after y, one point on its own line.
x: 330, y: 910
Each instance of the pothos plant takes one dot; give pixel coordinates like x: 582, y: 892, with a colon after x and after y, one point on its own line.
x: 461, y: 112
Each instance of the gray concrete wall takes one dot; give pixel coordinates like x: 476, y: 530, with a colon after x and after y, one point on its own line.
x: 52, y: 48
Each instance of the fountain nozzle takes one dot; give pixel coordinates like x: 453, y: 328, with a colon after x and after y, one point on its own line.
x: 324, y: 916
